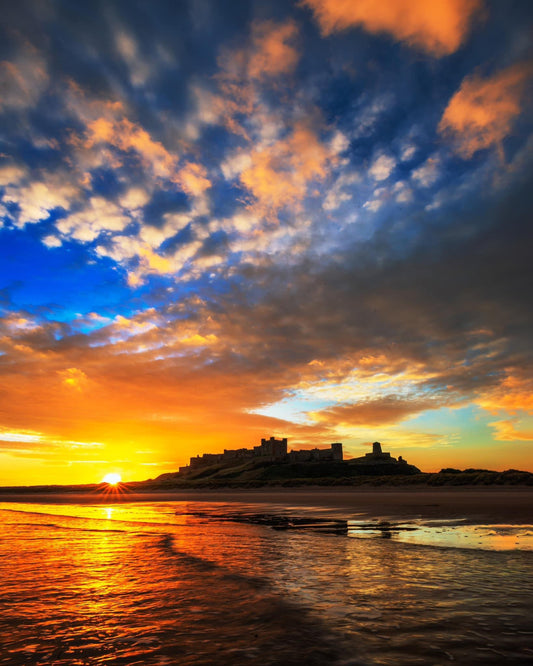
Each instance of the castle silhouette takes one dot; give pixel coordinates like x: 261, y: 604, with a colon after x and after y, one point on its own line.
x: 276, y: 451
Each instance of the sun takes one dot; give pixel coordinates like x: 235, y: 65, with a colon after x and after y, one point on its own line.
x: 112, y: 478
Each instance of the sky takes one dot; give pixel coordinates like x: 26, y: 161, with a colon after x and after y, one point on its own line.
x: 222, y: 220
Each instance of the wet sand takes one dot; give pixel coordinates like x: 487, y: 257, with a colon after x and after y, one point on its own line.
x: 501, y: 505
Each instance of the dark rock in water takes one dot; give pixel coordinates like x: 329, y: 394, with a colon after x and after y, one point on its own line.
x: 280, y: 522
x: 324, y: 525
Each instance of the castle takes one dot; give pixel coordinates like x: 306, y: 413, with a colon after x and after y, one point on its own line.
x: 276, y: 451
x: 270, y: 450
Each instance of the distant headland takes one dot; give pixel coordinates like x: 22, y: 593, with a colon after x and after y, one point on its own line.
x: 273, y: 454
x: 271, y: 463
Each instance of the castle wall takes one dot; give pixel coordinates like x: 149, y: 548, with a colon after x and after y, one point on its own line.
x: 310, y: 455
x: 270, y: 449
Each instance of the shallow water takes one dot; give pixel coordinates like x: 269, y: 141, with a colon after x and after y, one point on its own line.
x: 177, y: 583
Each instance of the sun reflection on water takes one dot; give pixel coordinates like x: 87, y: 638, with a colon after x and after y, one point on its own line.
x: 134, y: 582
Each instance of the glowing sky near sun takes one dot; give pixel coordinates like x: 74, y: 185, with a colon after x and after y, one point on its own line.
x: 225, y: 220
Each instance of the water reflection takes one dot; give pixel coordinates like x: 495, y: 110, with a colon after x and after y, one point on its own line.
x: 98, y: 587
x: 174, y: 582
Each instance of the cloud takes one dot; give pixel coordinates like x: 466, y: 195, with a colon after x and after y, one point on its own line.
x: 100, y: 215
x: 408, y: 152
x: 123, y: 328
x: 341, y: 190
x: 482, y: 111
x: 373, y: 205
x: 126, y: 136
x: 508, y: 430
x: 334, y: 199
x: 208, y: 109
x: 272, y: 52
x: 137, y: 63
x: 154, y: 236
x: 134, y: 198
x: 269, y: 53
x: 118, y: 132
x: 23, y: 79
x: 513, y: 394
x: 339, y: 142
x: 235, y: 164
x: 404, y: 194
x: 137, y: 254
x: 73, y: 378
x: 149, y: 262
x: 438, y: 27
x: 370, y: 110
x: 12, y: 174
x: 279, y: 173
x: 370, y: 413
x: 38, y: 199
x: 28, y: 441
x: 382, y: 167
x: 193, y: 179
x: 52, y: 241
x: 24, y: 436
x: 266, y: 59
x: 428, y: 173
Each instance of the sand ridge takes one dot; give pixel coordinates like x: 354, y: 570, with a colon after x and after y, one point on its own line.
x: 474, y: 504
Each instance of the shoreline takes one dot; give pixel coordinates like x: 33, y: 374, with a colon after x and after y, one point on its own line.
x: 474, y: 504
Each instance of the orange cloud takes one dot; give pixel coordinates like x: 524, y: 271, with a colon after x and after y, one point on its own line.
x: 125, y: 135
x: 193, y: 179
x: 278, y: 174
x: 73, y: 378
x: 150, y: 262
x: 481, y: 112
x: 506, y: 430
x: 373, y: 412
x: 436, y: 26
x: 141, y: 387
x: 272, y: 52
x: 514, y: 394
x: 269, y: 54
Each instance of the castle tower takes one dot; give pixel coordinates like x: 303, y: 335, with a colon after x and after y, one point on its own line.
x: 274, y: 448
x: 376, y: 448
x: 336, y: 449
